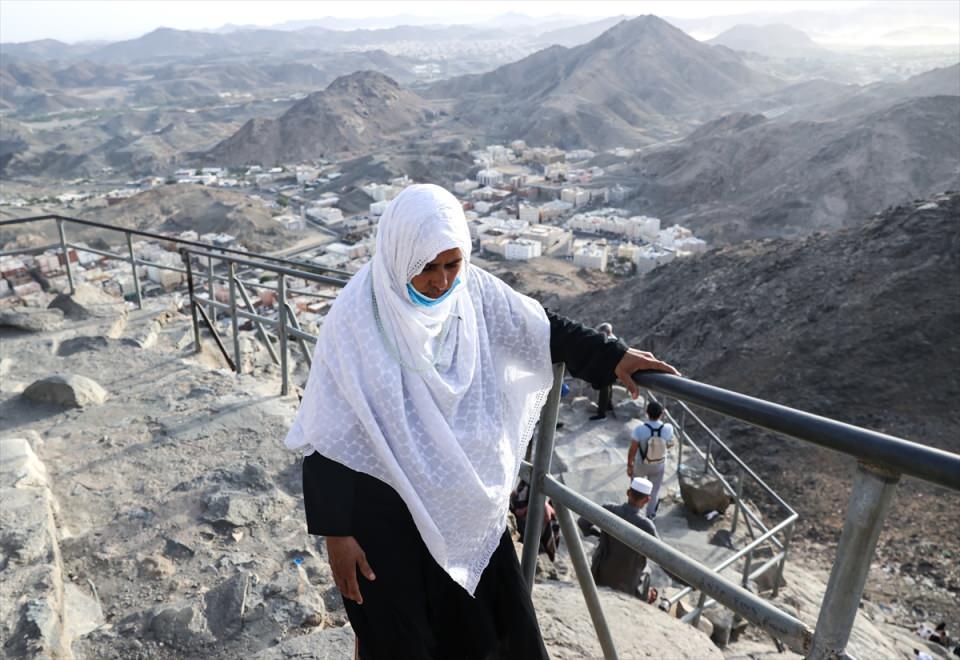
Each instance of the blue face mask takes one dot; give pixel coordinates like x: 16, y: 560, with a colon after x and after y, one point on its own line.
x: 419, y: 299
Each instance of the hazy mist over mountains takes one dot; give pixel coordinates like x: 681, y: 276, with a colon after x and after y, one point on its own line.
x: 759, y: 124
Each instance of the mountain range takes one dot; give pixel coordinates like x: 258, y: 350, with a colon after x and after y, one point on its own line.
x: 641, y: 81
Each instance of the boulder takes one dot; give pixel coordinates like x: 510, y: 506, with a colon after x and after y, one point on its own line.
x: 81, y: 344
x: 33, y: 319
x: 180, y: 625
x: 66, y: 390
x: 90, y: 302
x: 702, y: 492
x: 225, y: 606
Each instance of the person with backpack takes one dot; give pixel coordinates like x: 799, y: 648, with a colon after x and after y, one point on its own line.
x: 650, y: 440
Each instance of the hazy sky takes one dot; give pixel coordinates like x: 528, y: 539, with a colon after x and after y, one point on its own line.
x: 77, y: 20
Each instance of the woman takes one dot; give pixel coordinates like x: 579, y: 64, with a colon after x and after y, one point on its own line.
x: 428, y: 378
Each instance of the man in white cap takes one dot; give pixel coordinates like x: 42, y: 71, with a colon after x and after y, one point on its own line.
x: 615, y: 565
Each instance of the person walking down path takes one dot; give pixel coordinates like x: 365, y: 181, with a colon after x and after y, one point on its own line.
x: 616, y: 565
x: 605, y: 393
x: 650, y: 441
x: 427, y: 380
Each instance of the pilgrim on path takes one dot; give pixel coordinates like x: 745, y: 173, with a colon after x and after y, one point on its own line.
x: 427, y: 380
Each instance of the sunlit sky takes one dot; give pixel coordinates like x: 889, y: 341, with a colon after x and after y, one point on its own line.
x: 79, y: 20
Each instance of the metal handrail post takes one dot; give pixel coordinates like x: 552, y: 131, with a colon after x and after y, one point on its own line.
x: 281, y: 318
x: 589, y: 588
x: 748, y: 560
x: 295, y: 324
x: 698, y: 610
x: 542, y: 457
x: 232, y: 275
x: 738, y: 503
x: 133, y: 267
x: 262, y: 332
x: 210, y: 290
x: 185, y: 255
x: 707, y: 454
x: 66, y: 255
x: 787, y: 535
x: 870, y: 499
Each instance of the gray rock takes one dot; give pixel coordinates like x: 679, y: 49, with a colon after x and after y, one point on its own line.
x: 327, y: 644
x: 155, y: 567
x: 225, y: 605
x: 702, y: 492
x: 33, y: 319
x: 181, y: 625
x: 81, y: 344
x: 237, y: 508
x: 86, y: 302
x: 38, y: 632
x: 175, y: 549
x: 66, y: 390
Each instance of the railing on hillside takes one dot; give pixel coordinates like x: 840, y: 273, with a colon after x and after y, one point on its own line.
x: 882, y: 459
x: 193, y: 254
x: 768, y: 536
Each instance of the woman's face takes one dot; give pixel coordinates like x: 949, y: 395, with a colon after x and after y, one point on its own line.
x: 439, y: 275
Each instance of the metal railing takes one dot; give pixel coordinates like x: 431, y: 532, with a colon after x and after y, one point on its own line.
x: 768, y: 537
x: 881, y: 460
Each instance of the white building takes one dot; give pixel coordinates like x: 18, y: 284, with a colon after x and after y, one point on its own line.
x: 553, y: 240
x: 649, y: 257
x: 591, y: 255
x: 291, y: 222
x: 522, y: 249
x: 465, y: 186
x: 350, y: 251
x: 576, y: 196
x: 482, y: 207
x: 690, y: 245
x: 530, y: 213
x: 327, y: 215
x: 554, y: 209
x: 489, y: 177
x: 307, y: 174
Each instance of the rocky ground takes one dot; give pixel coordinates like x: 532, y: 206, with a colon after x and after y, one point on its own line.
x: 150, y: 510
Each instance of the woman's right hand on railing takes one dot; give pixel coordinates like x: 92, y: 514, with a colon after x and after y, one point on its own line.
x: 346, y: 557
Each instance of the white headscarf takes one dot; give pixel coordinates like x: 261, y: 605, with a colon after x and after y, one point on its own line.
x: 438, y: 402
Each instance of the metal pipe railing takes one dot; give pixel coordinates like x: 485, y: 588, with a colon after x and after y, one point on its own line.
x: 753, y: 608
x: 170, y: 239
x: 898, y: 455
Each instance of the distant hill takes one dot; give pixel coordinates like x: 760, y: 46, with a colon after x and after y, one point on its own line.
x: 771, y: 40
x: 642, y: 80
x: 748, y: 177
x: 180, y: 207
x: 354, y: 113
x: 45, y: 49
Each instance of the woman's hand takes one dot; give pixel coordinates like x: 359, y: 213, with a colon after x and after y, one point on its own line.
x: 346, y: 556
x: 634, y: 361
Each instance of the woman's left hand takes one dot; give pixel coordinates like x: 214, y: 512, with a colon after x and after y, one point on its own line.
x: 634, y: 361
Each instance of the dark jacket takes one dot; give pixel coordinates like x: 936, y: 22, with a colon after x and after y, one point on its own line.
x: 615, y: 565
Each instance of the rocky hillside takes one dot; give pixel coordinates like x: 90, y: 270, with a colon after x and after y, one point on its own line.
x: 746, y: 176
x: 182, y: 207
x: 354, y: 113
x: 640, y: 80
x: 859, y: 325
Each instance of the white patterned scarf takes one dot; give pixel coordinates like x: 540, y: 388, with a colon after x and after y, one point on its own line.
x: 438, y: 402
